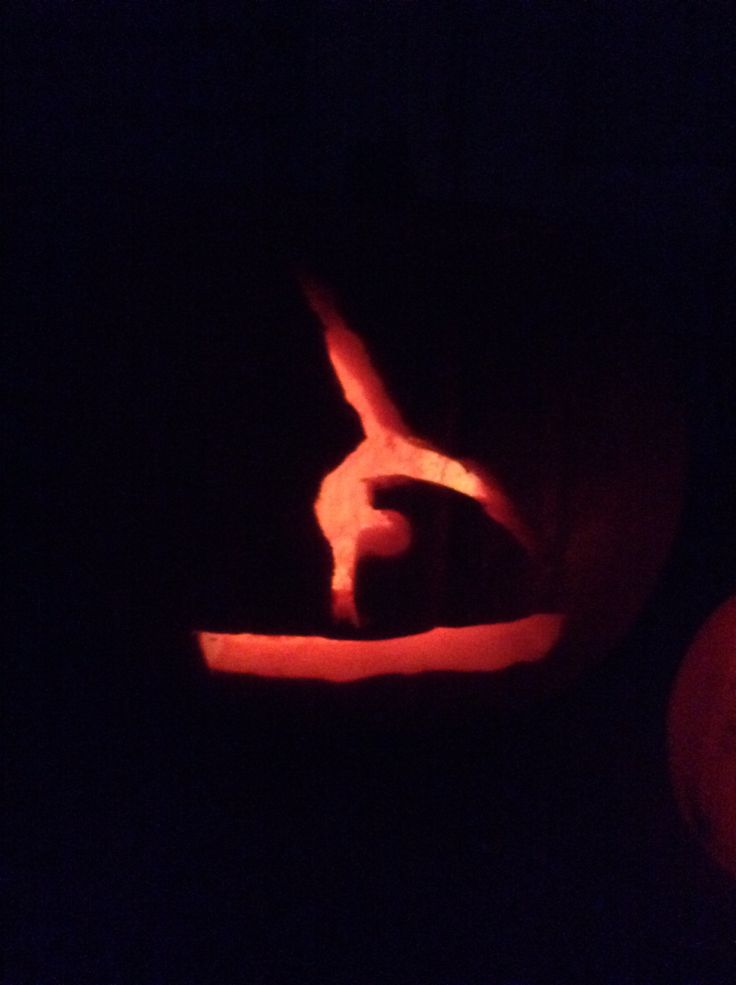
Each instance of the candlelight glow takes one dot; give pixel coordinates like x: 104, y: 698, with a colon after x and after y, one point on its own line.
x: 463, y: 648
x: 388, y: 454
x: 354, y: 528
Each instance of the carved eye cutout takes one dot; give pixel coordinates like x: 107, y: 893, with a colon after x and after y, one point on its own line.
x: 356, y: 528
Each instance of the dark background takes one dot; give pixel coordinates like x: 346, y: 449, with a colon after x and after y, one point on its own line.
x: 166, y: 826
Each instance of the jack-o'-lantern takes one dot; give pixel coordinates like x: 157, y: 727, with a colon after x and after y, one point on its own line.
x: 508, y: 480
x: 702, y: 736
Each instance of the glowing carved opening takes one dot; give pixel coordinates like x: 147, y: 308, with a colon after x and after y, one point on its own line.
x: 389, y: 453
x: 354, y: 528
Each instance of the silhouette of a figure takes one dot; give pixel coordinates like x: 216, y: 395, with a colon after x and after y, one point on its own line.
x: 388, y: 454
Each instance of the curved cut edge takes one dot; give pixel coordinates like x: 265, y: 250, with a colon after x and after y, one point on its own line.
x: 465, y: 648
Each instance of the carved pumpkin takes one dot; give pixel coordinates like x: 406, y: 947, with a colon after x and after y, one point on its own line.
x: 512, y: 482
x: 702, y: 736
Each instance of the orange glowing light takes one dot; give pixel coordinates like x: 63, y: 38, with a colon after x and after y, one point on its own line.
x: 389, y: 453
x: 354, y: 528
x: 461, y: 648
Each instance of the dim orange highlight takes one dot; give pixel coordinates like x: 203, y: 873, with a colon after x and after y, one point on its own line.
x: 462, y: 648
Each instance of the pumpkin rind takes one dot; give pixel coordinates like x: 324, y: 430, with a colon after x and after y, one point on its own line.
x: 702, y: 736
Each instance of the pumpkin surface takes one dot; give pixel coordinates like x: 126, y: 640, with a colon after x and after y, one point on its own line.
x: 516, y: 462
x: 702, y: 736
